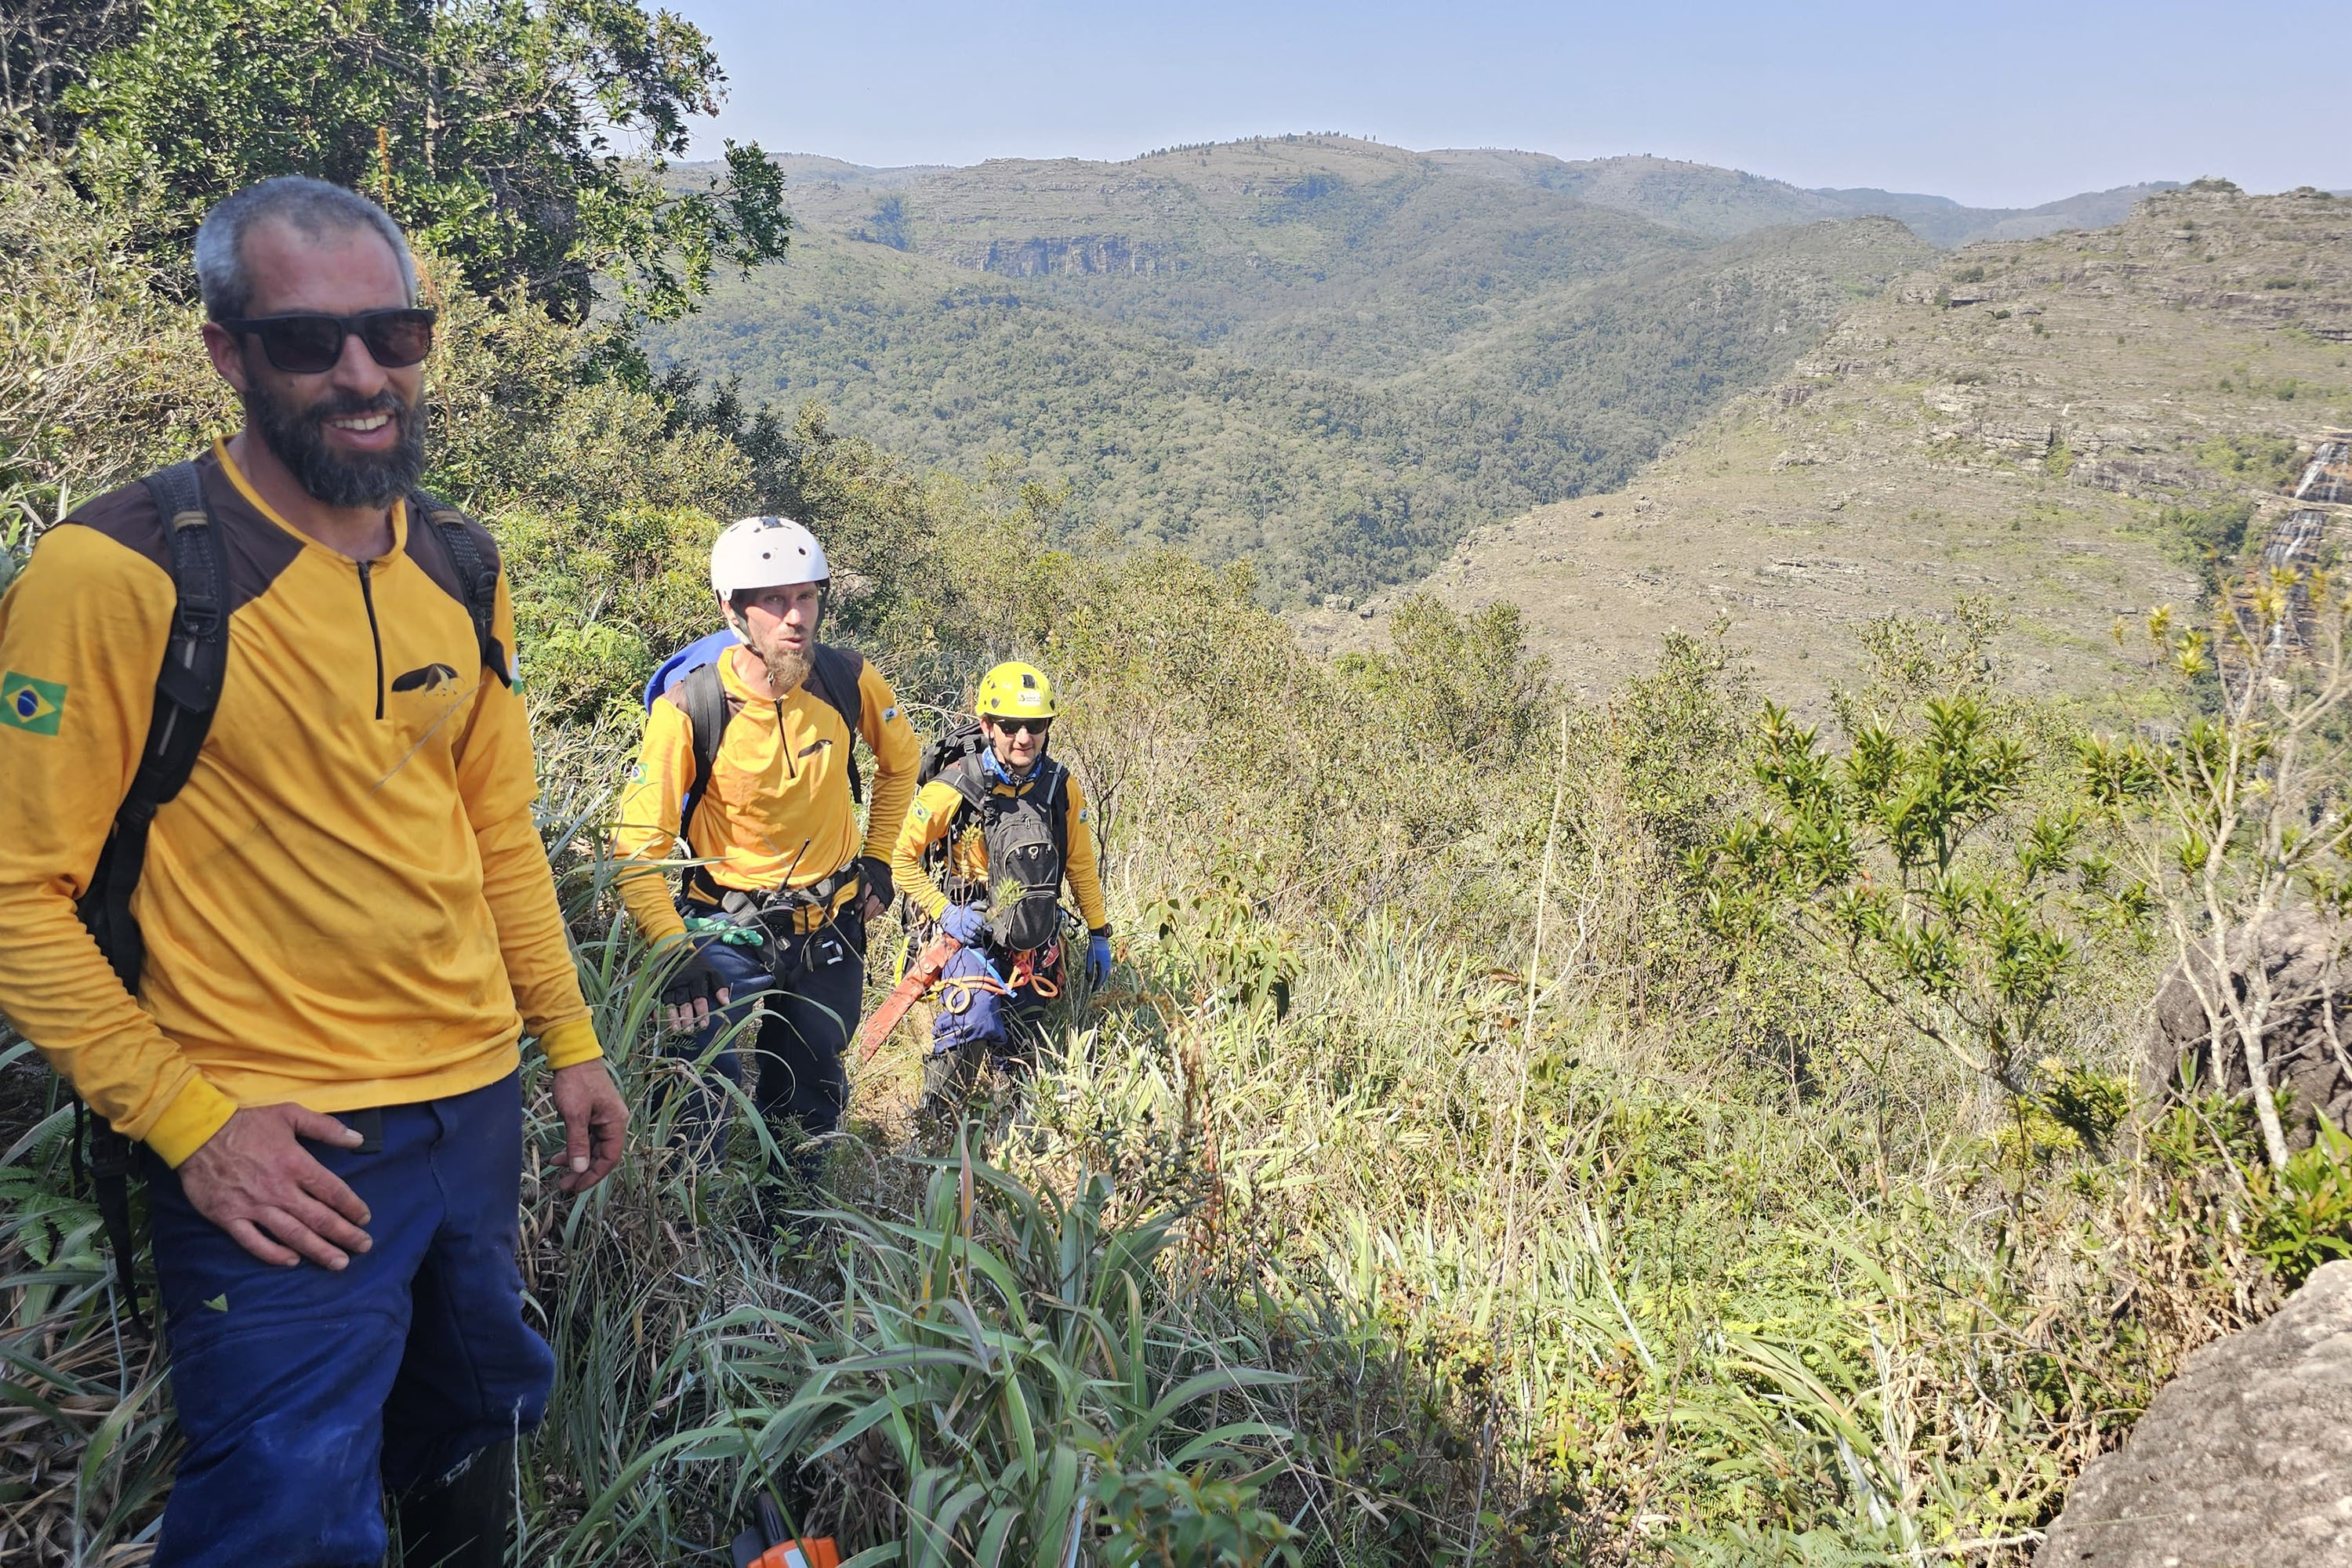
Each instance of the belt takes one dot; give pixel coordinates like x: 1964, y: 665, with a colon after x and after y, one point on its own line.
x: 780, y: 911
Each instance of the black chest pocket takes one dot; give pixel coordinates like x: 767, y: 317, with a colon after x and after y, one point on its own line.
x: 1024, y: 869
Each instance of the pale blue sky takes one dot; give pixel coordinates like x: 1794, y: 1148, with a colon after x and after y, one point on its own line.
x: 1989, y: 101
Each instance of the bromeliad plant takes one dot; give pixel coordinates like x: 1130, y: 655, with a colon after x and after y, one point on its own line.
x: 1006, y: 1379
x: 1903, y: 862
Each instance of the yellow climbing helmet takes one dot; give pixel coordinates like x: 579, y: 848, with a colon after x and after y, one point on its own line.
x: 1014, y: 691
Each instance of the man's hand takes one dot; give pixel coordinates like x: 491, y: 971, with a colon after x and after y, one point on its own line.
x: 880, y: 893
x: 595, y: 1120
x: 256, y: 1181
x: 968, y: 923
x: 688, y: 997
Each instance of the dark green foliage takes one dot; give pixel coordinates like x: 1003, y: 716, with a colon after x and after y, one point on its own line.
x: 1459, y: 683
x: 1886, y: 858
x: 2304, y: 1211
x: 2207, y: 537
x: 889, y: 225
x: 521, y: 140
x: 1680, y: 730
x: 46, y: 47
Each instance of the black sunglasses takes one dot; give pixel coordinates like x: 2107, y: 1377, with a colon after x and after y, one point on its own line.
x: 304, y: 343
x: 1022, y: 726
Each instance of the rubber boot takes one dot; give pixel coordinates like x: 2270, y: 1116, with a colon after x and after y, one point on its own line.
x: 463, y: 1520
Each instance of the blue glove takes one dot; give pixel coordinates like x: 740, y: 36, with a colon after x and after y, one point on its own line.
x: 1098, y: 959
x: 968, y: 923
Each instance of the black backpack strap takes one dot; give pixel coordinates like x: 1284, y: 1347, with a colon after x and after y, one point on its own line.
x: 702, y: 696
x: 837, y: 675
x: 477, y: 578
x: 187, y: 690
x: 968, y: 777
x: 1055, y: 804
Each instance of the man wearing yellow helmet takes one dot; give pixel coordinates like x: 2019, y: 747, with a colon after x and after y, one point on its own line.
x: 985, y: 850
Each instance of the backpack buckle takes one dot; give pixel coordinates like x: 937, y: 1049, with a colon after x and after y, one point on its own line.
x: 199, y: 615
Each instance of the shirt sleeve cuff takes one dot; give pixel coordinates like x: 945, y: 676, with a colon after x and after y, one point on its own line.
x: 196, y: 1113
x: 569, y: 1045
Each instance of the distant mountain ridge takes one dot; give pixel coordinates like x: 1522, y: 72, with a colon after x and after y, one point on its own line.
x: 1698, y: 198
x: 1945, y: 223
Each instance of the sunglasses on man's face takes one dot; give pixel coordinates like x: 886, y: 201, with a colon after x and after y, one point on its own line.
x: 1024, y: 726
x: 306, y: 344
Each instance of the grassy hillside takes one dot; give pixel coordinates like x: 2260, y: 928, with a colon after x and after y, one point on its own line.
x: 1330, y: 357
x: 2062, y: 427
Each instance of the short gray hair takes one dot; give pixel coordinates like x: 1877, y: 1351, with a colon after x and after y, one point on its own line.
x: 313, y: 206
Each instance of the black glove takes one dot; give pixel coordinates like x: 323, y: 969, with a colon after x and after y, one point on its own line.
x: 877, y: 877
x: 695, y: 980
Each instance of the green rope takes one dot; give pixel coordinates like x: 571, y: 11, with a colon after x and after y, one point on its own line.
x: 727, y: 931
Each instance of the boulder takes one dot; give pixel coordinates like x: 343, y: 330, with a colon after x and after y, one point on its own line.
x: 2306, y: 1039
x: 2244, y: 1459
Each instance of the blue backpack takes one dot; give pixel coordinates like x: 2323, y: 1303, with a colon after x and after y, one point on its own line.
x: 689, y: 677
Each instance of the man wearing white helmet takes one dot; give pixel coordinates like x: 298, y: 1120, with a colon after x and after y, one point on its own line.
x: 748, y: 758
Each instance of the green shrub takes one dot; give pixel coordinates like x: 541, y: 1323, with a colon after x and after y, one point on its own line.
x: 2304, y: 1213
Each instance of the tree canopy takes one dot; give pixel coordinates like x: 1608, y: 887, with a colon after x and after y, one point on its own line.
x: 527, y: 142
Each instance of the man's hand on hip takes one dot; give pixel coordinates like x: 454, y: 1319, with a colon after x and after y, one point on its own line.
x: 595, y: 1120
x: 254, y: 1179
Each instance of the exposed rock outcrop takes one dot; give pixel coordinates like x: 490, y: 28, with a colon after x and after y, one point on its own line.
x: 2306, y: 1033
x: 2244, y: 1459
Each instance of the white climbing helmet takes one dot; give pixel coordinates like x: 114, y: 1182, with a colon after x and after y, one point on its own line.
x: 765, y: 553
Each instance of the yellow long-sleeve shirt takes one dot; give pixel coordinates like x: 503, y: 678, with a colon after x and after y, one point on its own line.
x: 939, y: 813
x: 348, y: 904
x: 776, y: 810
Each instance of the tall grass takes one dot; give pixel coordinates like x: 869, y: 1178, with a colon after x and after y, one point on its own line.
x: 1326, y: 1230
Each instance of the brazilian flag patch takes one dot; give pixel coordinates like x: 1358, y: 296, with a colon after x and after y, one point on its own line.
x: 29, y: 704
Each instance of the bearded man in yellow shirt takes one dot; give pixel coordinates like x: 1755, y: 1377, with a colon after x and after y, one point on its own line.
x: 298, y: 969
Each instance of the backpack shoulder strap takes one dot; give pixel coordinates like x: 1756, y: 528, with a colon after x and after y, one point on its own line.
x: 187, y: 690
x: 702, y: 698
x: 839, y: 676
x: 1054, y: 802
x: 969, y: 776
x: 474, y: 562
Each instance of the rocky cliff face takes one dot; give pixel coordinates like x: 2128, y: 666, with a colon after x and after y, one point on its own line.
x: 2244, y: 1459
x: 1041, y: 256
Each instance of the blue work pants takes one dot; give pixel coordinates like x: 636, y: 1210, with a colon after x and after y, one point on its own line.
x: 304, y: 1391
x: 976, y: 1024
x: 811, y: 1011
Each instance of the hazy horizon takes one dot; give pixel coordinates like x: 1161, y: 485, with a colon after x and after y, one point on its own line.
x: 706, y: 152
x: 2004, y: 106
